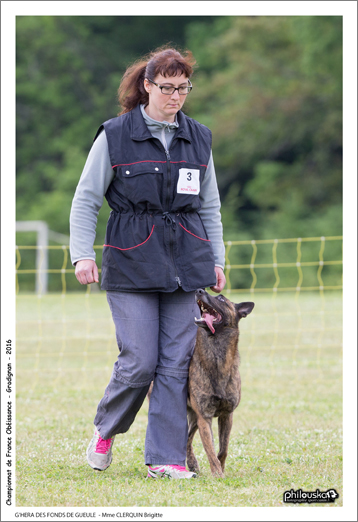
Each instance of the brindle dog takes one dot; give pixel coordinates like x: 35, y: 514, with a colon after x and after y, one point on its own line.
x: 214, y: 378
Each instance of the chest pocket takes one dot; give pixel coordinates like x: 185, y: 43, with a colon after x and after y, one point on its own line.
x: 187, y: 181
x: 142, y: 183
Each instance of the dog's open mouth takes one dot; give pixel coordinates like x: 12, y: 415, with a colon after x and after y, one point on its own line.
x: 209, y: 316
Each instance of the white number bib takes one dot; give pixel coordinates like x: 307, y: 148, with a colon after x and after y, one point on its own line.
x: 189, y: 181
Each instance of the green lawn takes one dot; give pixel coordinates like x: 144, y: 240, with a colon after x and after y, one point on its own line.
x: 287, y: 431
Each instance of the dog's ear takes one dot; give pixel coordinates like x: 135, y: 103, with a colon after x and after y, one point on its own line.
x: 244, y: 309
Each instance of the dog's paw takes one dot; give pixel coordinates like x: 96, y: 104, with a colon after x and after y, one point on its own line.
x: 218, y: 474
x: 216, y: 470
x: 193, y: 465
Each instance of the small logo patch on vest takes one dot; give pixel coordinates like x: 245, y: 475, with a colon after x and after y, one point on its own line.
x: 189, y: 181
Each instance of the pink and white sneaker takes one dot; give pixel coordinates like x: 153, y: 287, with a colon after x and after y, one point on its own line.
x: 169, y: 471
x: 99, y: 452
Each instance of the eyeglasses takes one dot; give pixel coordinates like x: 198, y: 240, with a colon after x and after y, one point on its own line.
x: 166, y: 89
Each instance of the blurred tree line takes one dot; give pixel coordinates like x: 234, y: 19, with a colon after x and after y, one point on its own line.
x: 269, y: 88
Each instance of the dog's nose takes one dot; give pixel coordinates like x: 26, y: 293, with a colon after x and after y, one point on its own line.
x: 199, y: 292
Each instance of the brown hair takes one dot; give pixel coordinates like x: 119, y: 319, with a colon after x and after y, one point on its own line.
x: 166, y: 61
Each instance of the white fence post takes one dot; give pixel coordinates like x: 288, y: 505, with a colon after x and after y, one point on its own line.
x: 41, y: 253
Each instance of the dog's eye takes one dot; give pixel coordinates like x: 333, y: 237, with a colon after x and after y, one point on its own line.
x: 221, y: 297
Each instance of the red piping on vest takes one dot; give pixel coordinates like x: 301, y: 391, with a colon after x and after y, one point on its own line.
x: 193, y: 234
x: 136, y: 162
x: 130, y: 248
x: 183, y: 161
x: 150, y: 161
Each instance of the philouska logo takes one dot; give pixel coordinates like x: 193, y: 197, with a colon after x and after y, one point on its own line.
x: 310, y: 497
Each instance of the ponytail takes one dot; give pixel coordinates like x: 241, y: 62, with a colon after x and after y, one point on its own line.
x: 165, y: 61
x: 131, y: 91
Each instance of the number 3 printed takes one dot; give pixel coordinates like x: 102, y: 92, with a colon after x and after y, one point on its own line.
x: 188, y: 181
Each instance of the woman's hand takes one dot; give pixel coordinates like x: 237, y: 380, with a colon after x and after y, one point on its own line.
x: 220, y: 280
x: 86, y: 271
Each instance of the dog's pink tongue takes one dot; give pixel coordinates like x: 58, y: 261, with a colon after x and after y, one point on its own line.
x: 209, y: 321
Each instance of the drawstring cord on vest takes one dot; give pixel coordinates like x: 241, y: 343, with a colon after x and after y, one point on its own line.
x: 169, y: 220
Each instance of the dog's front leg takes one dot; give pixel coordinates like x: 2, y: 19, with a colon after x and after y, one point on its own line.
x: 225, y: 425
x: 207, y: 439
x: 193, y: 426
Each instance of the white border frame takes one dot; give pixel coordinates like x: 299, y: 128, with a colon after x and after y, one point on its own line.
x: 347, y: 9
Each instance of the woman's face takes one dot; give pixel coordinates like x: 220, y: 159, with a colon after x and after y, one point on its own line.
x: 163, y: 107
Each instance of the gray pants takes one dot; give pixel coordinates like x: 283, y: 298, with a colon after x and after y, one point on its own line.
x: 156, y: 337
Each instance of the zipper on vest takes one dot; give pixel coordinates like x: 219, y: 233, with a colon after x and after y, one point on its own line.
x: 167, y: 154
x: 167, y: 206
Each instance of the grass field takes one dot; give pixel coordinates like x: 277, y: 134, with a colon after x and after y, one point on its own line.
x: 287, y: 431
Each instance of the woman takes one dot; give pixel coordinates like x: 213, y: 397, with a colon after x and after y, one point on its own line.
x: 163, y: 241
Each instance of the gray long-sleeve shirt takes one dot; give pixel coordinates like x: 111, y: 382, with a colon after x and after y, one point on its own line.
x: 96, y: 178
